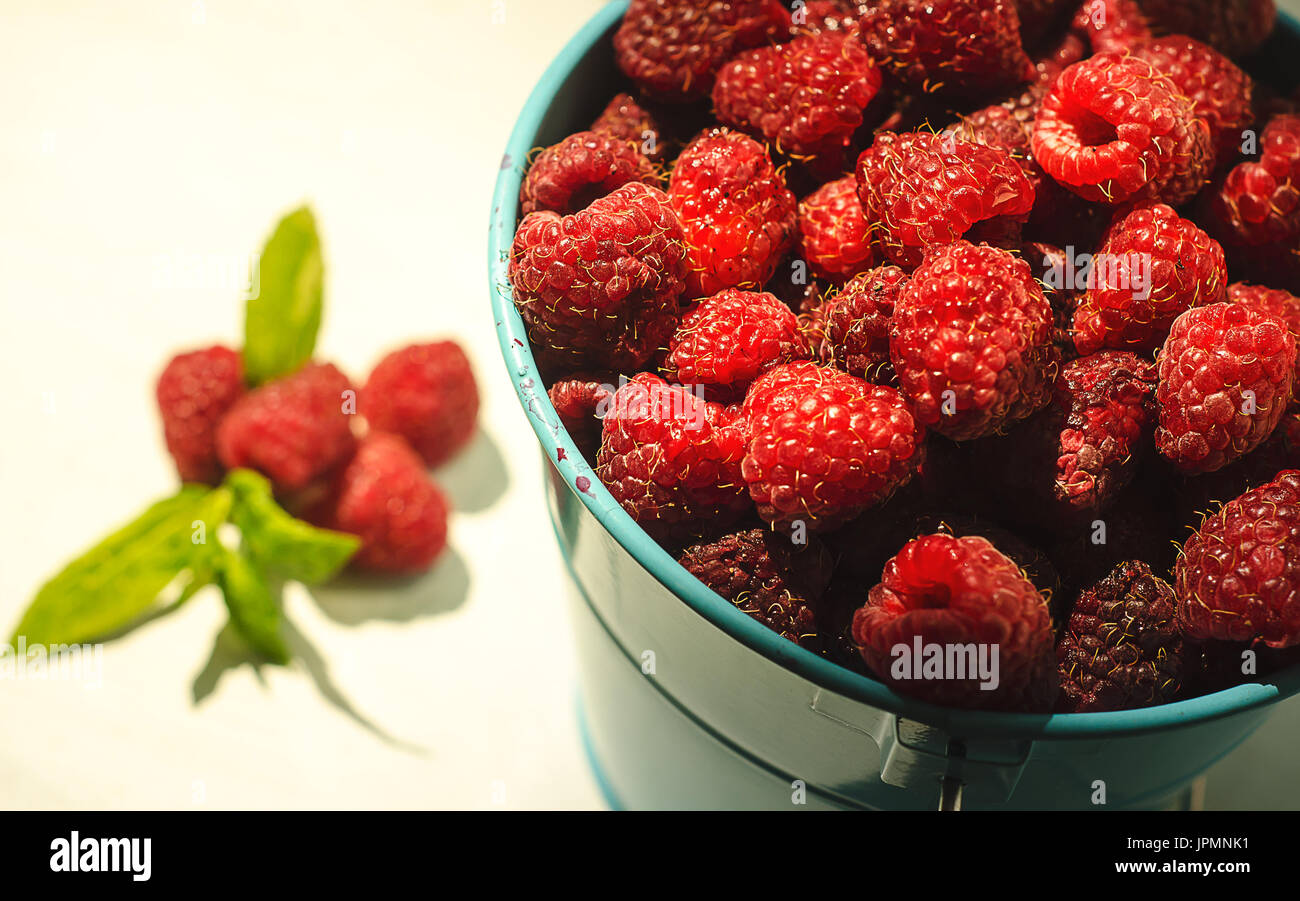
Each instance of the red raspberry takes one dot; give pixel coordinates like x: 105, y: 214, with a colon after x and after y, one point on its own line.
x: 568, y: 176
x: 427, y: 394
x: 856, y: 324
x: 1221, y: 93
x: 1112, y: 24
x: 1259, y: 202
x: 972, y: 341
x: 1276, y: 302
x: 950, y: 591
x: 958, y: 47
x: 581, y: 400
x: 806, y: 96
x: 1122, y: 648
x: 836, y: 235
x: 766, y: 575
x: 627, y: 120
x: 1234, y: 27
x: 824, y: 446
x: 732, y: 338
x: 291, y: 430
x: 738, y: 216
x: 1238, y: 578
x: 1225, y: 381
x: 926, y: 190
x: 194, y: 391
x: 600, y: 287
x: 385, y: 497
x: 1151, y: 267
x: 1113, y: 129
x: 672, y: 48
x: 820, y: 16
x: 673, y: 460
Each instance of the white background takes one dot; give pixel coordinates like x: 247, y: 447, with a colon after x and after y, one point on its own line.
x: 137, y: 139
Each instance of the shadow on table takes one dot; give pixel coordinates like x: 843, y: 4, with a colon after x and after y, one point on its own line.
x: 355, y: 598
x: 475, y: 478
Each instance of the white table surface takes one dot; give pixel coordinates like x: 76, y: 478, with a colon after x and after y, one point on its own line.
x: 174, y: 132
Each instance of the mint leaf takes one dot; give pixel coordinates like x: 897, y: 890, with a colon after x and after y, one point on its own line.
x: 253, y: 609
x: 112, y: 584
x: 277, y: 542
x: 281, y: 323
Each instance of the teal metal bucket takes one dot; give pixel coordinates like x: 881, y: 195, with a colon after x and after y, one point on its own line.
x: 688, y: 703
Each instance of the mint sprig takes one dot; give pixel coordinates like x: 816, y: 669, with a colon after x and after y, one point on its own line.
x: 280, y: 544
x: 281, y: 322
x: 254, y: 611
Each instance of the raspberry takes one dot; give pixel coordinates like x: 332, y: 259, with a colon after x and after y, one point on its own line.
x: 672, y: 48
x: 731, y: 338
x: 291, y: 430
x: 1259, y: 202
x: 824, y: 446
x: 1238, y: 578
x: 568, y: 176
x: 806, y: 96
x: 427, y: 394
x: 926, y: 190
x: 1152, y: 267
x: 856, y: 324
x: 835, y: 231
x: 1225, y: 380
x: 1112, y: 24
x: 1234, y: 27
x: 1122, y: 648
x: 971, y: 341
x: 194, y: 391
x: 1276, y: 302
x: 958, y: 47
x: 1221, y: 93
x: 768, y: 577
x: 627, y: 120
x: 385, y: 497
x: 673, y: 460
x: 950, y: 591
x: 581, y: 400
x: 738, y: 216
x: 600, y: 287
x: 1113, y: 129
x: 821, y: 16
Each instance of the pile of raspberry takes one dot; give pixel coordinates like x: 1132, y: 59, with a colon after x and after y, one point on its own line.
x: 954, y: 323
x: 344, y: 457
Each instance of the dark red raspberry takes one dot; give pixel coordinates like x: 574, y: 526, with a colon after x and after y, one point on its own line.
x: 1234, y: 27
x: 672, y: 48
x: 1225, y: 381
x: 1053, y: 263
x: 1221, y: 93
x: 1152, y: 266
x: 427, y: 394
x: 766, y: 575
x: 385, y: 497
x: 824, y: 446
x: 1113, y: 129
x: 581, y: 400
x: 673, y: 460
x: 856, y: 322
x: 1238, y: 578
x: 957, y: 47
x: 971, y: 341
x: 820, y: 16
x: 738, y: 216
x: 946, y: 591
x: 291, y: 430
x: 600, y: 287
x: 568, y: 176
x: 806, y: 96
x: 1259, y: 202
x: 732, y: 338
x: 194, y: 392
x: 1112, y: 24
x: 628, y: 120
x: 926, y: 190
x: 836, y: 234
x: 1122, y: 648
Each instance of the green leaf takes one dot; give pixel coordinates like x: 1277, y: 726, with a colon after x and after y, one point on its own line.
x: 281, y: 323
x: 253, y: 608
x: 280, y: 544
x: 115, y: 582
